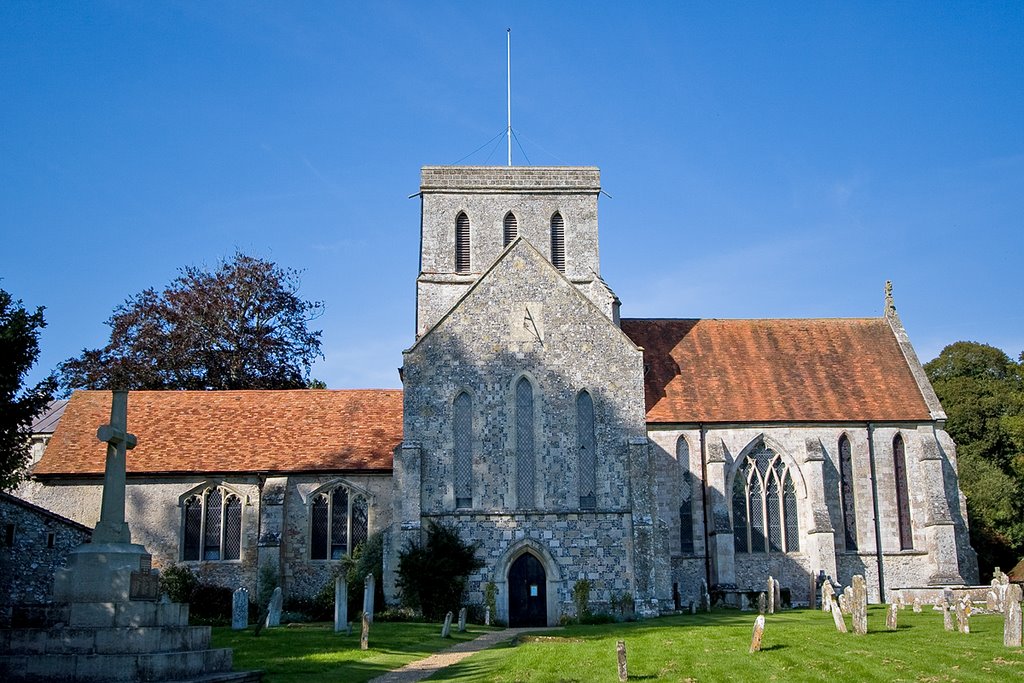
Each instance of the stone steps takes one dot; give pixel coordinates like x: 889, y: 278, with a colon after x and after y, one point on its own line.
x: 104, y: 641
x: 119, y: 668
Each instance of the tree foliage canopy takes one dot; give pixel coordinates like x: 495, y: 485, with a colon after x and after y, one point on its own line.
x: 241, y: 326
x: 19, y: 348
x: 432, y: 575
x: 982, y: 391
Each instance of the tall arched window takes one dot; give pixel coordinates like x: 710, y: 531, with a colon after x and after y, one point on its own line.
x: 462, y: 433
x: 764, y: 507
x: 899, y: 457
x: 337, y: 523
x: 846, y: 493
x: 511, y: 229
x: 462, y: 243
x: 524, y: 443
x: 558, y: 241
x: 212, y: 526
x: 587, y: 450
x: 685, y: 497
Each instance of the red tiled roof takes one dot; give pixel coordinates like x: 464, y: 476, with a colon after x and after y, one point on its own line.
x: 820, y: 370
x: 233, y: 431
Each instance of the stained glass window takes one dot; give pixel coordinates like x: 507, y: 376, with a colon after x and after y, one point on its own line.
x: 320, y: 523
x: 232, y: 528
x: 765, y: 516
x: 211, y: 535
x: 212, y: 526
x: 193, y: 528
x: 360, y: 521
x: 338, y: 523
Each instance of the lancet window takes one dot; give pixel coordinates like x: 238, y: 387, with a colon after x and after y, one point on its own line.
x: 558, y: 241
x: 846, y: 493
x: 899, y: 456
x: 685, y: 497
x: 462, y: 243
x: 212, y: 525
x: 764, y: 506
x: 524, y: 444
x: 586, y: 451
x: 462, y: 433
x: 338, y: 523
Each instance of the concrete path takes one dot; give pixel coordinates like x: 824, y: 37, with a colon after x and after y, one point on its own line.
x: 421, y: 668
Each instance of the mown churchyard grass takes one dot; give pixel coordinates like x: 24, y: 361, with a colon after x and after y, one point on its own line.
x: 310, y: 653
x: 798, y: 645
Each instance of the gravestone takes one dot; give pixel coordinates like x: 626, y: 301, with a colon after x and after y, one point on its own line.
x: 859, y: 608
x: 837, y: 616
x: 462, y: 620
x: 446, y: 629
x: 947, y: 618
x: 900, y: 601
x: 364, y: 637
x: 827, y: 593
x: 707, y: 602
x: 693, y: 607
x: 844, y: 606
x: 892, y: 616
x: 963, y: 615
x: 992, y: 602
x: 762, y: 603
x: 755, y: 641
x: 744, y: 603
x: 778, y: 596
x: 274, y: 611
x: 240, y: 609
x: 620, y: 652
x: 1012, y: 617
x: 917, y: 605
x: 771, y: 595
x: 369, y: 586
x: 340, y: 604
x: 487, y: 616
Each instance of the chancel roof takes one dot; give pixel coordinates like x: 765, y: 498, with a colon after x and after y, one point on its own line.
x: 233, y: 431
x: 775, y: 370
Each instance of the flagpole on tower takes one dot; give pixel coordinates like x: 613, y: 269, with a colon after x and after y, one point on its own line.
x: 509, y: 84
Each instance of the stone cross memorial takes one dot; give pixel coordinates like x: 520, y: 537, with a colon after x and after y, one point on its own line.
x: 240, y: 609
x: 755, y: 641
x: 340, y: 604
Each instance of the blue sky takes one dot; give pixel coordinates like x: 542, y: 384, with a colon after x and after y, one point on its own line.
x: 764, y: 159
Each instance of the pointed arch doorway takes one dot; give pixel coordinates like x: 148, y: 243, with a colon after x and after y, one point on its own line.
x: 527, y: 592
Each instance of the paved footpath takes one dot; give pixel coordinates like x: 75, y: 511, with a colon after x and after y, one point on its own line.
x: 421, y: 668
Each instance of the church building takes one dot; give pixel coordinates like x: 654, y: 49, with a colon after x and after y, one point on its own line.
x: 652, y: 457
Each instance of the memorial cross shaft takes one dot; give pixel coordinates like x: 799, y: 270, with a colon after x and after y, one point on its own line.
x: 112, y: 528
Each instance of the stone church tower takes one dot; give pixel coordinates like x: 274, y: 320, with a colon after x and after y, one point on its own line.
x: 523, y: 400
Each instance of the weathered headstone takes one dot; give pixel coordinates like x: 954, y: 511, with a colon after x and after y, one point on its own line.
x: 462, y: 620
x: 274, y: 611
x: 446, y: 629
x: 844, y: 605
x: 240, y: 609
x: 917, y: 605
x: 340, y: 604
x: 827, y: 593
x: 963, y: 615
x: 892, y: 616
x: 369, y: 586
x: 487, y: 616
x: 364, y: 637
x: 1012, y: 617
x: 947, y: 617
x: 762, y: 603
x: 771, y: 595
x: 778, y: 596
x: 744, y: 603
x: 859, y: 607
x: 693, y: 607
x: 707, y: 602
x: 620, y: 651
x: 992, y: 602
x: 837, y: 616
x: 900, y: 600
x: 755, y: 641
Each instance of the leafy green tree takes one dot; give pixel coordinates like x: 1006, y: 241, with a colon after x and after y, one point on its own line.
x: 241, y: 326
x: 432, y: 576
x: 19, y: 348
x: 982, y: 391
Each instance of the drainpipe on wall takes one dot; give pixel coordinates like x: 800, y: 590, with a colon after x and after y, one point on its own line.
x: 704, y: 507
x: 878, y: 524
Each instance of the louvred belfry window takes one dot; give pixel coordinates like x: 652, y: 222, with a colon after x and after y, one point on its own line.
x: 558, y: 241
x: 212, y: 526
x: 462, y: 243
x: 899, y: 456
x: 510, y: 229
x: 338, y: 523
x: 764, y: 508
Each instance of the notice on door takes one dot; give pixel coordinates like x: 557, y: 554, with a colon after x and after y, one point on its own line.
x: 533, y: 590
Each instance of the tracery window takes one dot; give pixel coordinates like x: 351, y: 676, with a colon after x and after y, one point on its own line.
x: 524, y: 443
x: 510, y: 229
x: 558, y: 241
x: 899, y: 456
x: 462, y: 433
x: 764, y: 507
x: 462, y: 243
x: 338, y: 521
x: 586, y: 451
x: 212, y: 525
x: 846, y: 498
x: 685, y: 497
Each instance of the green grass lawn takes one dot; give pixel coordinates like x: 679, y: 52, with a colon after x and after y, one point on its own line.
x: 799, y: 645
x: 310, y: 653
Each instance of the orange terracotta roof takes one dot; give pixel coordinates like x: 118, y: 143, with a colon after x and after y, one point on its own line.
x: 820, y: 370
x: 233, y: 431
